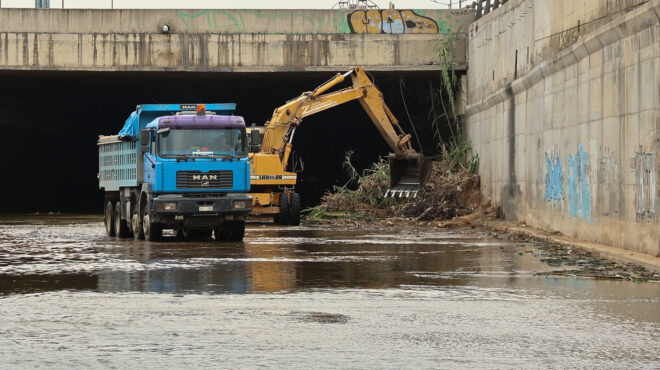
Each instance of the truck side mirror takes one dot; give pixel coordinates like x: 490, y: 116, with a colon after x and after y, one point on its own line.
x: 145, y: 138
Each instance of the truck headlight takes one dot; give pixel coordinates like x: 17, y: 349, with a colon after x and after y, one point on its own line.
x: 240, y: 204
x: 170, y: 206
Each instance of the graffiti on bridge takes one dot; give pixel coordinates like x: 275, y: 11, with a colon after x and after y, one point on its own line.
x: 386, y: 21
x: 390, y: 21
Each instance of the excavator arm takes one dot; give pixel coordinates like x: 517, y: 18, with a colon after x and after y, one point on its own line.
x: 408, y: 169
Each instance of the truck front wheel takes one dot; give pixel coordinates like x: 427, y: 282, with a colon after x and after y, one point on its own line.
x: 231, y: 231
x: 237, y: 231
x: 152, y: 231
x: 108, y: 219
x: 121, y: 226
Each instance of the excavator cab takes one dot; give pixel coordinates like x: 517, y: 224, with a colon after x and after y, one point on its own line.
x: 408, y: 174
x: 255, y: 137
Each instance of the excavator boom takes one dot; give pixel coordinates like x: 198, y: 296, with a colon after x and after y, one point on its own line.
x: 409, y: 170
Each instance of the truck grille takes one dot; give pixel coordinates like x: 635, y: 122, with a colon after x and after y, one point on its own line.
x: 204, y: 180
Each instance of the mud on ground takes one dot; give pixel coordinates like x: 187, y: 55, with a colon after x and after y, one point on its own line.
x: 452, y: 199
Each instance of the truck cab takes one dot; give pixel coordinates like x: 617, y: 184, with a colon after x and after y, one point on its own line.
x: 192, y: 174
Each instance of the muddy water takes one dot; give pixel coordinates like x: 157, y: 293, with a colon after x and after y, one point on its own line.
x: 307, y: 297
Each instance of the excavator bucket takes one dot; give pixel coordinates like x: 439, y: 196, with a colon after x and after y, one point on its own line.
x: 407, y: 175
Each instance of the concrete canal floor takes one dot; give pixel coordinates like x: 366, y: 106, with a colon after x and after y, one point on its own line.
x: 308, y: 297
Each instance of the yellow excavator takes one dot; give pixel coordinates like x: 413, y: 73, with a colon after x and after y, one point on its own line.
x: 272, y: 182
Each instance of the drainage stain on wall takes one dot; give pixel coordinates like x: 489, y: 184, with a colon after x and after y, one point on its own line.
x: 554, y: 179
x: 579, y: 185
x: 608, y: 181
x: 646, y: 199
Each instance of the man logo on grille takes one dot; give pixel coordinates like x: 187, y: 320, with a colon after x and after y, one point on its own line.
x: 205, y: 177
x: 205, y: 183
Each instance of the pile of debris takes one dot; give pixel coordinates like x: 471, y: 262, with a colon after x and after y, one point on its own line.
x: 451, y: 191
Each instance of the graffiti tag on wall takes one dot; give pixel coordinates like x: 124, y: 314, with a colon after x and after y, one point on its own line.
x: 646, y: 200
x: 607, y: 178
x: 554, y: 179
x: 390, y: 21
x: 579, y: 185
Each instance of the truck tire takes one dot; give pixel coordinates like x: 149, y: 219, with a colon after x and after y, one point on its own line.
x: 237, y: 231
x: 178, y: 233
x: 109, y: 219
x: 283, y: 217
x: 138, y: 233
x: 121, y: 226
x: 294, y: 210
x: 152, y: 231
x: 221, y: 233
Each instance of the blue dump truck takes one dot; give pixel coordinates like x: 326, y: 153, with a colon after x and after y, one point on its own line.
x: 177, y: 166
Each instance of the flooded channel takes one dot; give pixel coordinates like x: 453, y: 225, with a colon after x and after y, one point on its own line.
x: 307, y: 297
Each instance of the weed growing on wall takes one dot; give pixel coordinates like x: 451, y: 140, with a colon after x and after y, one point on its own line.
x: 438, y: 131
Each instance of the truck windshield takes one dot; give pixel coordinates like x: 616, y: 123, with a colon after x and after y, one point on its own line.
x: 202, y: 143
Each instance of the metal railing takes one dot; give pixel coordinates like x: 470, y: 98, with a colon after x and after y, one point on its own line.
x: 452, y: 4
x: 483, y: 7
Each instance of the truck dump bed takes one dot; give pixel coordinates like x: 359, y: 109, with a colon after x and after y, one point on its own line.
x: 117, y: 163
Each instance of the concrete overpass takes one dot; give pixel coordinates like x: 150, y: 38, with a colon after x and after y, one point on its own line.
x: 227, y: 40
x: 67, y: 76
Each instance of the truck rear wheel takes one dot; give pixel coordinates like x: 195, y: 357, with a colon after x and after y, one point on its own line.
x: 152, y: 231
x: 295, y: 209
x: 108, y: 219
x: 138, y: 233
x: 283, y: 217
x: 121, y: 226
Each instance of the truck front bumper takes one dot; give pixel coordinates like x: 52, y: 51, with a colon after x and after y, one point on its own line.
x: 191, y: 211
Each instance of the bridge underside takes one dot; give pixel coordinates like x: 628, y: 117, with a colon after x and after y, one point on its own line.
x: 50, y: 121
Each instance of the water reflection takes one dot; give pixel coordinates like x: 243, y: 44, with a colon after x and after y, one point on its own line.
x: 74, y: 255
x: 285, y: 260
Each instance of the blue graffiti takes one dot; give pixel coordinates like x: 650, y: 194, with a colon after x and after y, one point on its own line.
x: 579, y: 185
x: 554, y: 179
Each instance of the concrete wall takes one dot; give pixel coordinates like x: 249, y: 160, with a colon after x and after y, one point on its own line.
x: 564, y: 111
x: 226, y: 40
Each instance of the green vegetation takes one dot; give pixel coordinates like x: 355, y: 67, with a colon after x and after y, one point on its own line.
x: 438, y: 133
x: 368, y: 193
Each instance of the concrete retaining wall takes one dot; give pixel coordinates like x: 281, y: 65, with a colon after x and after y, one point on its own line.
x: 564, y: 111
